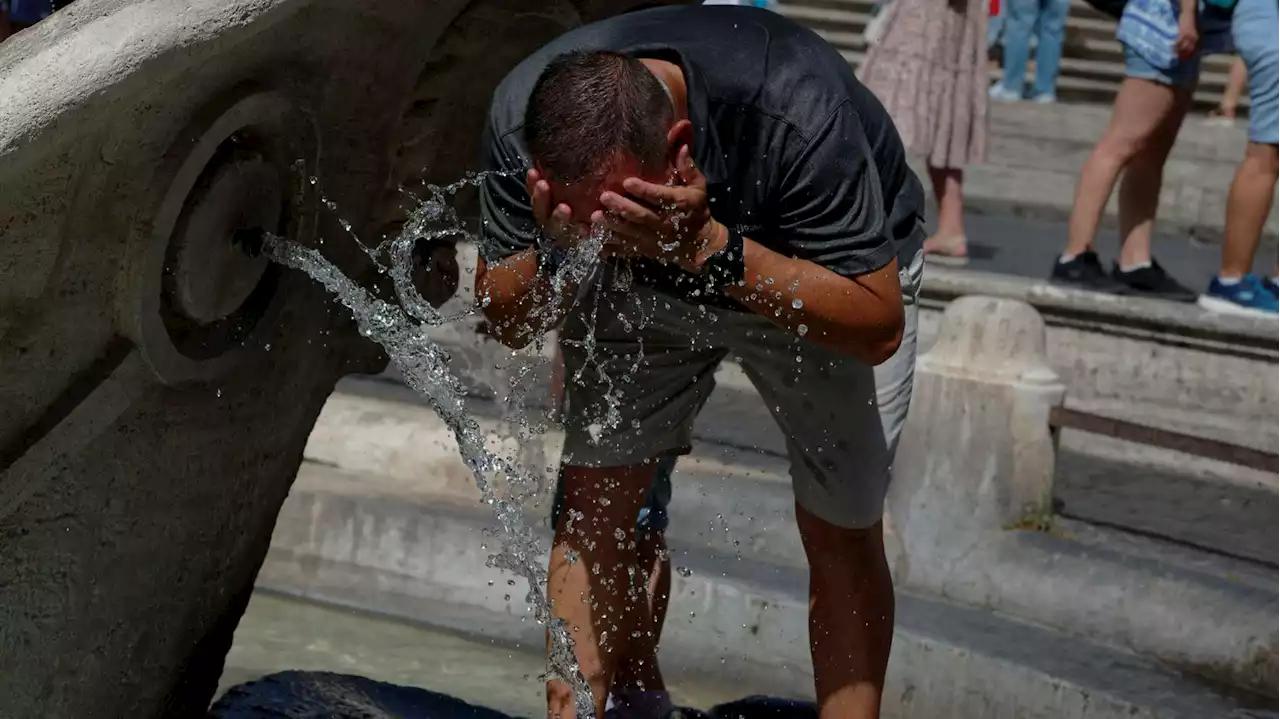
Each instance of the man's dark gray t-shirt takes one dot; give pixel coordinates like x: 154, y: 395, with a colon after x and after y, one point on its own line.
x: 798, y: 155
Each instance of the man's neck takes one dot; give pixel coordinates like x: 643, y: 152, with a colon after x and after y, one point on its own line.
x: 669, y: 74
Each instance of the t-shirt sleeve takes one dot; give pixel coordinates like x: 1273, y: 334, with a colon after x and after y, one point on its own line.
x: 506, y: 219
x: 831, y: 207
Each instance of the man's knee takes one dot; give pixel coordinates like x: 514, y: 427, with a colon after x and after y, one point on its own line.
x: 825, y: 542
x: 597, y: 500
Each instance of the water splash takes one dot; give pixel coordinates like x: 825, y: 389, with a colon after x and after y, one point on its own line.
x: 402, y: 329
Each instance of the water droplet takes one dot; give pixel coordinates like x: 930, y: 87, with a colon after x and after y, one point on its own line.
x: 802, y: 330
x: 218, y: 392
x: 796, y: 304
x: 684, y: 571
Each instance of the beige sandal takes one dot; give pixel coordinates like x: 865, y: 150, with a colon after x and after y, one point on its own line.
x: 951, y: 251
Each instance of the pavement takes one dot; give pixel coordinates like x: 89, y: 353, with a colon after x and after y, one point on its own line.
x: 1028, y: 247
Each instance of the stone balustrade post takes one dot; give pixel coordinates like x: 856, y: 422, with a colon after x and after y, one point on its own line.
x: 977, y: 455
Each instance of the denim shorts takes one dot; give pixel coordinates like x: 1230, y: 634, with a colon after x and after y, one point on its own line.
x: 1184, y: 73
x: 1253, y: 28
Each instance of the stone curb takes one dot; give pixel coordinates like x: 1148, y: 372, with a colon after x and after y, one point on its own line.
x: 729, y: 618
x: 1237, y: 333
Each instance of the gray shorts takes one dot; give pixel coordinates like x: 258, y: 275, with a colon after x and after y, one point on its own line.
x: 634, y: 387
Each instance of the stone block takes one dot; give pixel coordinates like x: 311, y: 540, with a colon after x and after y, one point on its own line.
x: 977, y: 455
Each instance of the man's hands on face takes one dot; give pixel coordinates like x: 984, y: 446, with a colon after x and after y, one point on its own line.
x: 554, y: 219
x: 661, y: 222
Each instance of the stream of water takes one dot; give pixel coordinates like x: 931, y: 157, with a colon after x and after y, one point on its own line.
x: 401, y: 328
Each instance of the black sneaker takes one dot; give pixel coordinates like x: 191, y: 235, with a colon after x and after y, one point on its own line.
x: 1152, y: 281
x: 1084, y: 271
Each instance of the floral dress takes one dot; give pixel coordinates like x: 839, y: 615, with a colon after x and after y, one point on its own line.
x: 929, y: 68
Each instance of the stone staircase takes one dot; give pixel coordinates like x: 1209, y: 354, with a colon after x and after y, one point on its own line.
x: 1092, y: 63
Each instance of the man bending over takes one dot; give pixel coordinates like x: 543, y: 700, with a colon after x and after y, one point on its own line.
x: 757, y: 203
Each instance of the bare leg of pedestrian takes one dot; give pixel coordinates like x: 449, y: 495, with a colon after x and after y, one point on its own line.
x: 948, y: 242
x: 1140, y: 186
x: 1248, y: 205
x: 1236, y: 78
x: 1236, y: 288
x: 1141, y: 109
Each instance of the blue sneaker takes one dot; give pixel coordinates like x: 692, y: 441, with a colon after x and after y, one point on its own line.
x: 1249, y: 296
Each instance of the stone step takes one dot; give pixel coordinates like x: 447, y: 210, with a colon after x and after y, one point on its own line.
x: 1200, y: 142
x: 733, y: 499
x: 1014, y: 151
x: 342, y: 540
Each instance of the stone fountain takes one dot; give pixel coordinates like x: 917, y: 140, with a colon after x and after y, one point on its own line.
x: 158, y: 384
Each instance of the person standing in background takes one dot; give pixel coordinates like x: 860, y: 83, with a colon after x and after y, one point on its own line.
x: 929, y: 68
x: 1047, y: 19
x: 1162, y: 50
x: 1255, y: 27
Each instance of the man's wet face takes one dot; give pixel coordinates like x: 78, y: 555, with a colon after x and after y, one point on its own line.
x: 583, y: 198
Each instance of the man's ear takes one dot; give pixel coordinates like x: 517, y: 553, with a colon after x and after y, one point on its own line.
x: 680, y: 134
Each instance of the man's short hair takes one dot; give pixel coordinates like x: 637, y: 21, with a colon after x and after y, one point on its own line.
x: 588, y: 108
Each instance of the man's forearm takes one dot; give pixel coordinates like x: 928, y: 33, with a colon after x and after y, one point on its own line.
x: 517, y: 299
x: 860, y: 317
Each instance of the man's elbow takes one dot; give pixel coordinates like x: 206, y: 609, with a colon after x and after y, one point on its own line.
x: 875, y: 343
x: 884, y: 347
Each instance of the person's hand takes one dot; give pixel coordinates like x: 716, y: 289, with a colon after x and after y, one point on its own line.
x: 1188, y: 37
x: 554, y: 219
x: 662, y: 222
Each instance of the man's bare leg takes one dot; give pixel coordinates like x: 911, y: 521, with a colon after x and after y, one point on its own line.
x: 639, y: 671
x: 590, y: 580
x: 851, y: 609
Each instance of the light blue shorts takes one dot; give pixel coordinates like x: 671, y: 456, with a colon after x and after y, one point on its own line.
x: 1254, y: 30
x: 1184, y: 73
